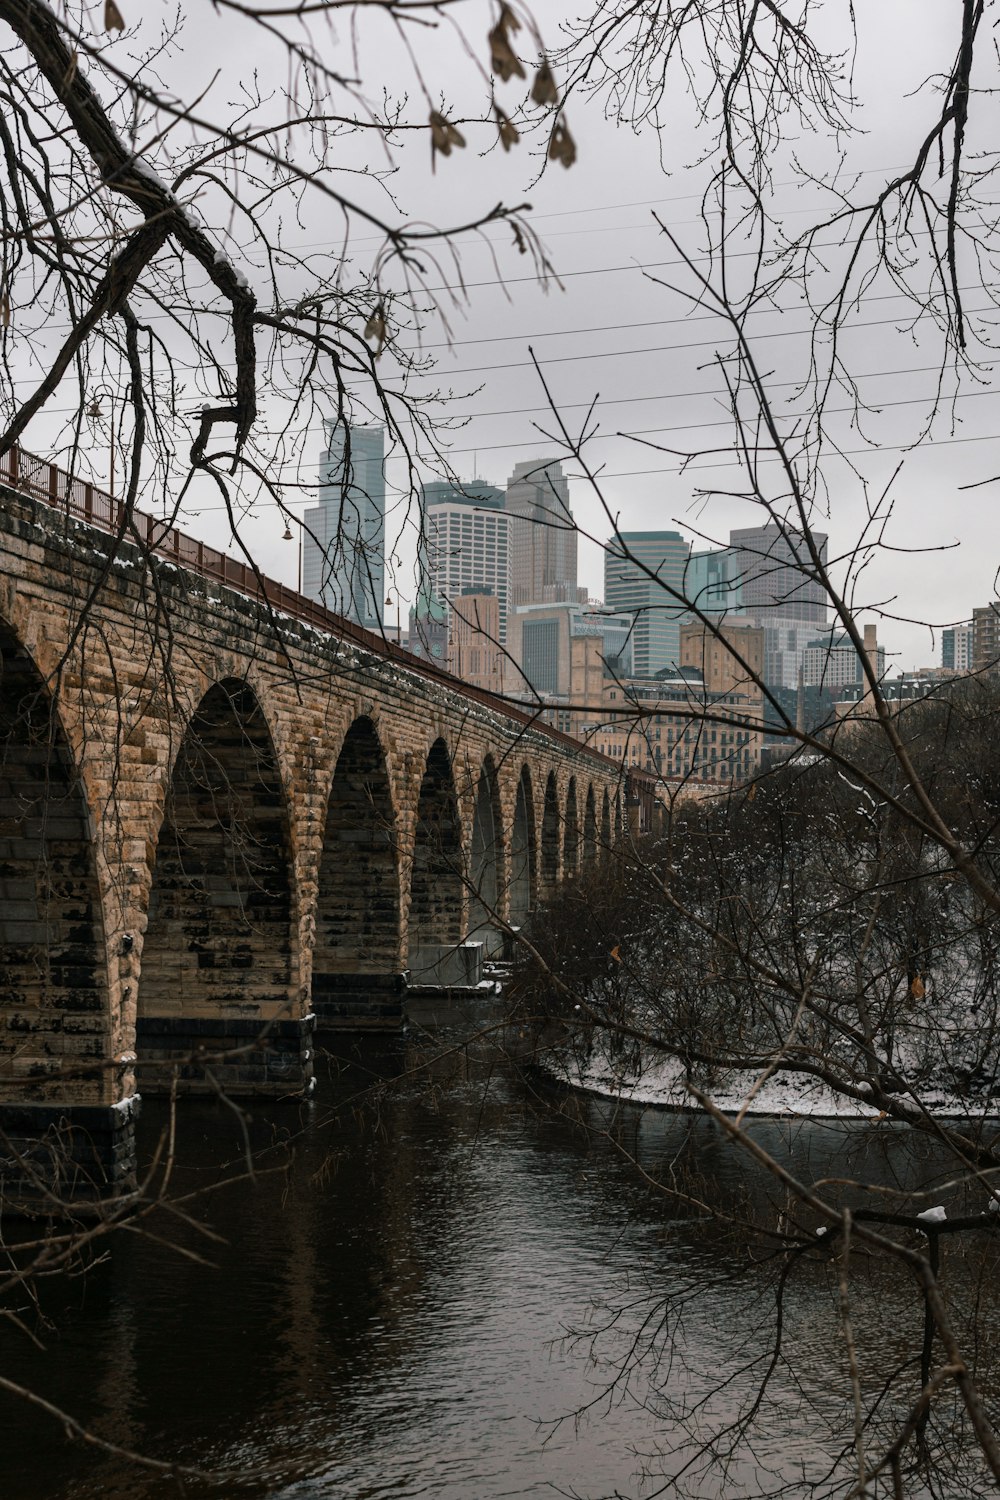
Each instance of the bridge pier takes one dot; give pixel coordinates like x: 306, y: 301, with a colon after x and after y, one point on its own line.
x: 55, y: 1156
x: 447, y: 966
x: 358, y: 1002
x: 493, y: 938
x: 238, y: 1056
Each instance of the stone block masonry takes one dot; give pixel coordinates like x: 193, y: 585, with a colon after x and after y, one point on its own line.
x: 217, y: 824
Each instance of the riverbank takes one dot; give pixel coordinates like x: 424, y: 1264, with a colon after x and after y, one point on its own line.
x: 660, y: 1084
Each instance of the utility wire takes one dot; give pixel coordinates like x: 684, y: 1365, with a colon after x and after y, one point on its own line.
x: 224, y: 309
x: 604, y: 437
x: 687, y: 468
x: 623, y: 353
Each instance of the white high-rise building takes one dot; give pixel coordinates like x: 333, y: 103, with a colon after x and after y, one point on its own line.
x: 467, y: 544
x: 831, y: 661
x: 343, y: 544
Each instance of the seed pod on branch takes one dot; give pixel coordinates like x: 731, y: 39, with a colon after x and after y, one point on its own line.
x: 509, y: 133
x: 562, y: 146
x: 503, y: 59
x: 443, y: 135
x: 375, y: 329
x: 543, y: 90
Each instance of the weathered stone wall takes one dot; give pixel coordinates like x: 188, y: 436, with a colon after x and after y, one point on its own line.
x: 204, y: 852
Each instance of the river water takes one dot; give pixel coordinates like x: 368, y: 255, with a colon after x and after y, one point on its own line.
x: 461, y: 1286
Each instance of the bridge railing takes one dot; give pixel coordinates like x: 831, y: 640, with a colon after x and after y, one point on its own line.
x: 87, y: 502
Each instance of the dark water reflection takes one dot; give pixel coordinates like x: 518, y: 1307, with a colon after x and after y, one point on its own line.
x: 387, y: 1310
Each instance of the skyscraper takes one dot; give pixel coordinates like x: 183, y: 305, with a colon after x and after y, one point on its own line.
x: 466, y: 545
x: 831, y: 661
x: 542, y: 535
x: 647, y: 584
x: 772, y: 563
x: 343, y: 549
x: 710, y: 582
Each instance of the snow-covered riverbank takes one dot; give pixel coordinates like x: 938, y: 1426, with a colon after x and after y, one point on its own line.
x: 660, y: 1085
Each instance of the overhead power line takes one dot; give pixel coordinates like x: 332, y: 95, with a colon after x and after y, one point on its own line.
x: 623, y: 353
x: 688, y: 468
x: 726, y: 421
x: 596, y: 208
x: 223, y: 309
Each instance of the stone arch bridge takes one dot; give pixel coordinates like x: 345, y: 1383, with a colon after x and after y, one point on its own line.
x: 226, y: 812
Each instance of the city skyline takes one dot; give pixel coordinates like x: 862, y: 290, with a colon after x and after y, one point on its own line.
x: 710, y: 578
x: 757, y: 573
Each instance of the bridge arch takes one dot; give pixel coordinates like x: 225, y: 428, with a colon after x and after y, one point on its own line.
x: 550, y: 834
x: 605, y: 823
x: 358, y: 915
x: 437, y: 888
x: 571, y: 833
x: 486, y: 850
x: 523, y: 858
x: 53, y: 952
x: 132, y: 764
x: 590, y: 830
x: 219, y: 936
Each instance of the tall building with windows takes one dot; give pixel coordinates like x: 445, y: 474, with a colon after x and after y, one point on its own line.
x: 711, y: 582
x: 771, y: 564
x: 831, y: 661
x: 541, y: 639
x: 786, y: 640
x: 956, y: 648
x: 677, y: 728
x: 986, y: 638
x: 343, y: 543
x: 467, y: 544
x: 474, y: 651
x: 729, y: 659
x: 644, y: 577
x: 542, y: 535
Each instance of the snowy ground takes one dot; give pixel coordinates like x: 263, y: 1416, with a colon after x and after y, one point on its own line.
x: 660, y: 1084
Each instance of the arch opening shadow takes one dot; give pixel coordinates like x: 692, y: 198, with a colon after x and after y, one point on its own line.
x: 606, y: 823
x: 54, y: 999
x: 357, y: 972
x: 217, y: 960
x: 437, y: 888
x: 550, y: 834
x: 571, y: 833
x: 590, y: 831
x: 522, y: 853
